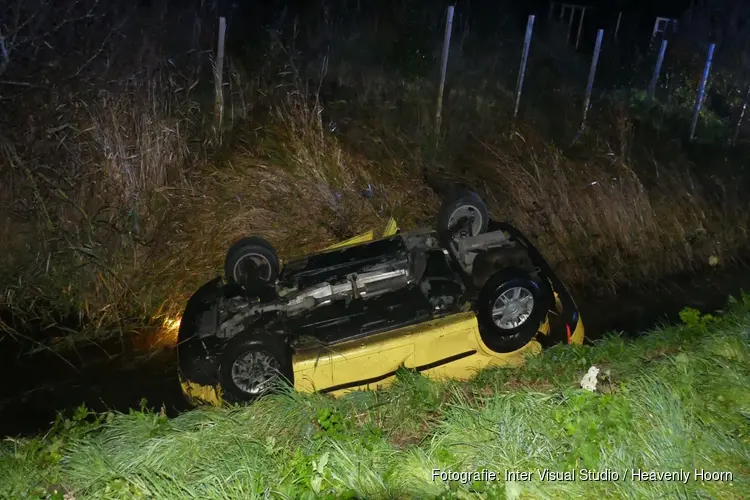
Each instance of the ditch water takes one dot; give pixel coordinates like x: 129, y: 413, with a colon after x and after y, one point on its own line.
x: 36, y: 387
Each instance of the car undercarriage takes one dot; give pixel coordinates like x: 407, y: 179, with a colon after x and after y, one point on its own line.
x: 360, y: 290
x: 346, y: 282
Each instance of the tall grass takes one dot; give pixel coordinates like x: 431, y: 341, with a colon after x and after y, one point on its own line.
x: 676, y: 399
x: 601, y: 215
x: 119, y: 198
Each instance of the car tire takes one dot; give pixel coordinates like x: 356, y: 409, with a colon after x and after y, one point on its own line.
x: 252, y: 365
x: 463, y: 203
x: 528, y: 297
x: 260, y: 256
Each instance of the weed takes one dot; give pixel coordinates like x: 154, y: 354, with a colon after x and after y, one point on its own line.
x: 332, y: 423
x: 695, y: 320
x: 592, y: 421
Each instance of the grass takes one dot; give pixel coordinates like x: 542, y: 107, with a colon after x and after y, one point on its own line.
x: 675, y: 399
x: 121, y: 198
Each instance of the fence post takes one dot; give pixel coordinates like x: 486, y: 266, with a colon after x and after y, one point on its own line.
x: 551, y: 11
x: 580, y: 25
x: 701, y: 90
x: 742, y: 115
x: 617, y: 26
x: 592, y: 74
x: 657, y: 69
x: 218, y: 75
x: 443, y: 69
x: 524, y: 60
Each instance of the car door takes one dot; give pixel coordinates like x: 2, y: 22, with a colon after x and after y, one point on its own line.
x: 371, y: 361
x: 313, y: 369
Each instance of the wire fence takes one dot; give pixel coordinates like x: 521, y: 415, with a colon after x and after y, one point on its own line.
x: 564, y: 60
x: 656, y: 69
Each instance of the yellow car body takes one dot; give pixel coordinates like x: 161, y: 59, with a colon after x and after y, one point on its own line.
x: 450, y: 347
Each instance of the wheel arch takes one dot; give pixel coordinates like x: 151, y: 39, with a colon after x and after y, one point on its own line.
x: 488, y: 263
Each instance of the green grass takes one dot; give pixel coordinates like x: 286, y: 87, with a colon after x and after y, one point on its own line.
x: 675, y: 399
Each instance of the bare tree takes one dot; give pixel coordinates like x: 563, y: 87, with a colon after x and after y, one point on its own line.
x: 28, y: 29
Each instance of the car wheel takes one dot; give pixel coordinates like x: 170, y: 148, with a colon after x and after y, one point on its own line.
x: 467, y: 210
x: 512, y: 305
x: 249, y: 259
x: 252, y: 365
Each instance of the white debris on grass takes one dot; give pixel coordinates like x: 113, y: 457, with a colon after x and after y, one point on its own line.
x: 513, y: 490
x: 589, y: 381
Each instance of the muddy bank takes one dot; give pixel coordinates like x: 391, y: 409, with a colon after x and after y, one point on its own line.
x: 37, y: 387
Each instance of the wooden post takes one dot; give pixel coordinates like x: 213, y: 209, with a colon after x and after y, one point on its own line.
x: 524, y: 60
x: 219, y: 74
x: 444, y: 68
x: 702, y: 90
x: 580, y: 25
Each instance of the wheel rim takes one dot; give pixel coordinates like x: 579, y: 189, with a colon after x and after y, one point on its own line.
x: 261, y: 262
x: 467, y: 211
x: 254, y: 372
x: 512, y: 308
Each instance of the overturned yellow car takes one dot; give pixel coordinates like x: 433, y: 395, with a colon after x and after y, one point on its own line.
x: 449, y: 301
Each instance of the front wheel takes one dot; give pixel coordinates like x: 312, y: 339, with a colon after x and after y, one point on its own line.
x: 252, y: 365
x: 511, y: 307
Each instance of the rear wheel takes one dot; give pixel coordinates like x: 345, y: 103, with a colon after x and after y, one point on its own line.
x: 252, y: 365
x: 463, y: 215
x: 251, y: 259
x: 511, y: 307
